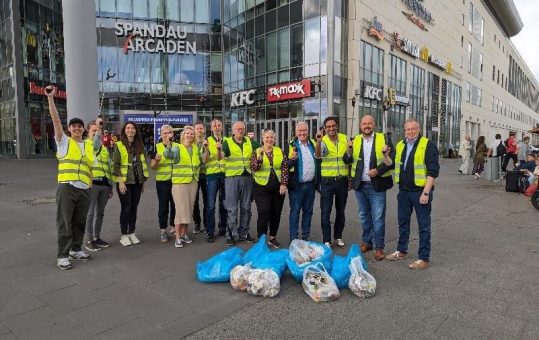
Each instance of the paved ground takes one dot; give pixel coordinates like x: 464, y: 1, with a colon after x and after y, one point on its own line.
x: 482, y: 283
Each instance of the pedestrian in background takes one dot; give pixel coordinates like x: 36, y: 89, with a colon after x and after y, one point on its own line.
x: 130, y: 172
x: 101, y: 188
x: 75, y: 159
x: 185, y: 157
x: 163, y: 184
x: 523, y: 150
x: 270, y: 173
x: 465, y: 152
x: 510, y: 151
x: 481, y: 151
x: 302, y: 181
x: 416, y: 168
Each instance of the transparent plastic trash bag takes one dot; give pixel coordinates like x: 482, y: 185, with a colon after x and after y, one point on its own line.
x: 318, y: 284
x: 361, y: 283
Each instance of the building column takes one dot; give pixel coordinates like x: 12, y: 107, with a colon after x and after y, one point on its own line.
x: 21, y: 123
x: 330, y: 62
x: 80, y: 45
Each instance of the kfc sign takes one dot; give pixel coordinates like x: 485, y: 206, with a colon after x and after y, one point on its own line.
x: 242, y: 98
x: 292, y: 90
x: 373, y: 93
x: 40, y: 90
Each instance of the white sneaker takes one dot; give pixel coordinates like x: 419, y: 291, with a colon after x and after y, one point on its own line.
x: 125, y: 240
x: 178, y: 243
x: 63, y: 263
x: 328, y: 244
x: 134, y: 239
x: 186, y: 239
x: 340, y: 242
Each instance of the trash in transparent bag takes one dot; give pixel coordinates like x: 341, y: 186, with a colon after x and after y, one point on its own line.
x: 318, y: 284
x: 361, y: 283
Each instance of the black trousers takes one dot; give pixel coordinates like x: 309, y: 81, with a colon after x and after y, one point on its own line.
x: 330, y: 190
x: 129, y: 205
x: 269, y: 204
x: 197, y: 217
x: 166, y: 204
x: 71, y: 211
x: 506, y: 159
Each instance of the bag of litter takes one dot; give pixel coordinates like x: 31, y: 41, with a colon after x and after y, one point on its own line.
x: 217, y: 268
x: 318, y: 284
x: 303, y: 253
x: 361, y: 283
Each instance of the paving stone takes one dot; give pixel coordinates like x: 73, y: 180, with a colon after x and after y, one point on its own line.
x: 16, y: 301
x: 47, y: 283
x: 137, y: 329
x: 46, y: 323
x: 4, y: 329
x: 102, y: 316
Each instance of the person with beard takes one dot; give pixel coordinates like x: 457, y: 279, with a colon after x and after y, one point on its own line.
x: 198, y: 218
x: 371, y: 156
x: 330, y: 149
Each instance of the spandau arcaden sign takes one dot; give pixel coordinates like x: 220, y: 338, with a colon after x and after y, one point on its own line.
x: 155, y: 38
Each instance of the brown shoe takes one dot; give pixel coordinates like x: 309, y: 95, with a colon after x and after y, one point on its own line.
x: 365, y: 247
x: 395, y: 256
x: 379, y: 256
x: 419, y: 264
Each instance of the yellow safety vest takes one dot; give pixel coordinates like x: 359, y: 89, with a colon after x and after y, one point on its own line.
x: 239, y: 158
x: 420, y: 168
x: 188, y: 167
x: 262, y: 175
x: 164, y: 168
x: 125, y: 164
x: 214, y: 166
x: 75, y: 166
x: 378, y: 147
x: 333, y: 164
x: 101, y: 163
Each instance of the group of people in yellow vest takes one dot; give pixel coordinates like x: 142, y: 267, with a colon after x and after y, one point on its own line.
x: 240, y: 169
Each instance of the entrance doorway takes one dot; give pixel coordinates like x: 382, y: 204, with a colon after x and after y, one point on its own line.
x: 285, y: 129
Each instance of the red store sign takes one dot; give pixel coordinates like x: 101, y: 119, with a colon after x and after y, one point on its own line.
x: 40, y: 90
x: 292, y: 90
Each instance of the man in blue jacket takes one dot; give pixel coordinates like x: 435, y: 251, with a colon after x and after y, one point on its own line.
x: 303, y: 167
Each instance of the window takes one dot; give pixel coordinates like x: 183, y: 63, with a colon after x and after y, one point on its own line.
x: 493, y: 72
x: 469, y: 57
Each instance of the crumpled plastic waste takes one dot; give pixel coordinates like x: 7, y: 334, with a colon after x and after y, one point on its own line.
x: 238, y: 277
x: 303, y: 253
x: 217, y: 268
x: 258, y: 282
x: 318, y: 284
x: 361, y: 283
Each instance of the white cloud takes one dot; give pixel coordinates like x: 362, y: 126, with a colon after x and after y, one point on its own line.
x: 525, y: 41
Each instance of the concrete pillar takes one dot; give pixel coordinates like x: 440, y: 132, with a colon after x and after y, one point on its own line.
x: 80, y: 45
x: 331, y: 62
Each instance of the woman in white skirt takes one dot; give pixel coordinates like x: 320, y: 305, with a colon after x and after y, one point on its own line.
x: 185, y: 170
x: 465, y: 152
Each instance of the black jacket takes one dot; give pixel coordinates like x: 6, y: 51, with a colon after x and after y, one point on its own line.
x: 378, y: 183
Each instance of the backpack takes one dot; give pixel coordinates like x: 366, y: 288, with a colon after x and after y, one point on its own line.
x: 511, y: 145
x: 500, y: 149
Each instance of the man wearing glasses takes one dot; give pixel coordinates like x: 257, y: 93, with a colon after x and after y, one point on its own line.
x: 334, y: 181
x: 416, y: 168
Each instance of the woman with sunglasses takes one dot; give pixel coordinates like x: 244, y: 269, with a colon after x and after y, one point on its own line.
x: 270, y: 173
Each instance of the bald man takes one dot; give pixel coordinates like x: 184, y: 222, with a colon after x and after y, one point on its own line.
x: 238, y: 183
x: 372, y: 168
x: 416, y: 168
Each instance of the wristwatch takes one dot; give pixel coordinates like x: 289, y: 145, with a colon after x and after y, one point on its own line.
x: 426, y: 194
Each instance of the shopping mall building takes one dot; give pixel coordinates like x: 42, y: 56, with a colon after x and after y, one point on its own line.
x: 449, y: 64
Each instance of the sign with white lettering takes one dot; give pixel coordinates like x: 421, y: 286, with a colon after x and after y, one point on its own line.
x: 406, y: 46
x: 402, y: 100
x: 155, y: 38
x: 374, y: 93
x: 420, y: 10
x: 40, y: 90
x: 292, y: 90
x: 242, y: 98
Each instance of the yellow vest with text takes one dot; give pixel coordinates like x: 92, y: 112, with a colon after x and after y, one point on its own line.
x: 163, y: 172
x: 420, y: 168
x: 188, y: 167
x: 239, y: 158
x: 378, y: 147
x: 333, y: 164
x: 101, y: 163
x: 262, y: 175
x: 125, y: 164
x: 214, y: 166
x: 75, y: 166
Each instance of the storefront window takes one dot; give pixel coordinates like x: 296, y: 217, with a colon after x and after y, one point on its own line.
x: 187, y: 11
x: 140, y: 8
x: 124, y: 8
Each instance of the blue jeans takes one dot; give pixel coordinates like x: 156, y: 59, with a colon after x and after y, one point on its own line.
x: 301, y: 199
x: 339, y: 190
x: 212, y: 187
x: 372, y: 213
x: 408, y: 201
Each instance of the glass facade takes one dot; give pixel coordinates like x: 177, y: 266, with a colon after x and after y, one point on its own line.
x: 185, y: 76
x: 7, y: 83
x: 397, y: 113
x: 280, y: 41
x: 371, y: 74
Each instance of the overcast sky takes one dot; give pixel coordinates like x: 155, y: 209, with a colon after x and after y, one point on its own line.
x: 526, y: 40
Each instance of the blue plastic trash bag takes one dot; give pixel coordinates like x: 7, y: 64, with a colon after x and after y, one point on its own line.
x: 303, y: 253
x: 217, y: 268
x: 340, y: 270
x: 261, y: 257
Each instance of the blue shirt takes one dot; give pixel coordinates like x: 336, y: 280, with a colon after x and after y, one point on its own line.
x: 409, y: 147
